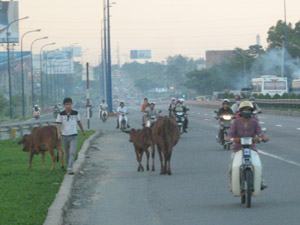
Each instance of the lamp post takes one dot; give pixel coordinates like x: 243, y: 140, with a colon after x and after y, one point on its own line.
x: 22, y: 71
x: 8, y: 63
x: 109, y: 72
x: 32, y: 75
x: 41, y: 71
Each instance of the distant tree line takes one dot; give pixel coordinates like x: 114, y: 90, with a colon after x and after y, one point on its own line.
x: 237, y: 72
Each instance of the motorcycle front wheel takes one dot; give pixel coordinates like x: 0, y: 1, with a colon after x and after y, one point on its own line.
x: 249, y: 188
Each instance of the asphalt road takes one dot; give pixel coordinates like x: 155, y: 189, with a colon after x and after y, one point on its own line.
x: 110, y: 191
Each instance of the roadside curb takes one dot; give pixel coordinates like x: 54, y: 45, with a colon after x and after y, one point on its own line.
x: 57, y: 209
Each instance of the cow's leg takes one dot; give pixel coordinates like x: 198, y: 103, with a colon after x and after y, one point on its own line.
x: 161, y: 159
x: 140, y: 160
x: 61, y: 155
x: 53, y: 158
x: 153, y: 157
x: 165, y: 162
x: 169, y: 163
x: 148, y: 157
x: 31, y: 154
x: 137, y: 159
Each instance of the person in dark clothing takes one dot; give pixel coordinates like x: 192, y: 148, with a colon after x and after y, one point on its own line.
x: 224, y: 110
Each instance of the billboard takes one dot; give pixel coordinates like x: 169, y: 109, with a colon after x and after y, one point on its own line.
x: 59, y: 62
x: 140, y: 54
x: 9, y: 11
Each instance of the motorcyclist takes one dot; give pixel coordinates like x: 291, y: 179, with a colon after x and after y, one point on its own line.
x: 56, y: 111
x: 102, y: 108
x: 36, y: 111
x: 145, y: 105
x: 224, y: 110
x: 181, y: 107
x: 152, y: 112
x: 144, y: 108
x: 122, y: 109
x: 246, y: 126
x: 256, y: 108
x: 235, y: 106
x: 172, y: 106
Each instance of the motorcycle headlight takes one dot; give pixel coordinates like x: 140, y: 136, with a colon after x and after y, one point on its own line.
x: 227, y: 117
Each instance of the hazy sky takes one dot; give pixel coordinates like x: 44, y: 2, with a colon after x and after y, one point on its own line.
x: 167, y: 27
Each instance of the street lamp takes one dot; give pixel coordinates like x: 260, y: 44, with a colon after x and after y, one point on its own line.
x: 41, y: 72
x: 32, y: 76
x: 8, y: 62
x: 22, y: 71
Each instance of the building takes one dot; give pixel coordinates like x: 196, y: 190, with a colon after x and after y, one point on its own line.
x: 215, y: 57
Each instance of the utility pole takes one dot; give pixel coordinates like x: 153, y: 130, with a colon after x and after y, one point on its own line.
x: 88, y: 105
x: 109, y: 72
x: 105, y: 48
x: 103, y: 63
x: 284, y: 42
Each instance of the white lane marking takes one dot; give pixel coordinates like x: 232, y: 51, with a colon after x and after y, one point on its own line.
x: 298, y: 128
x: 261, y: 122
x: 279, y: 158
x: 278, y: 125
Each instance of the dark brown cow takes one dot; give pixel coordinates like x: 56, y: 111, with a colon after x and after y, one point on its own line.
x: 142, y: 141
x: 165, y: 135
x: 43, y: 139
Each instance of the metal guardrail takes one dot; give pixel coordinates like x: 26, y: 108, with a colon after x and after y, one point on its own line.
x: 279, y: 101
x: 18, y: 130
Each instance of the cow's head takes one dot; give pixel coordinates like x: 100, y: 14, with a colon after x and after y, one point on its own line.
x: 132, y: 135
x: 26, y: 141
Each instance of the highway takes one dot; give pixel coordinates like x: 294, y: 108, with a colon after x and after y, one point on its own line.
x: 110, y: 191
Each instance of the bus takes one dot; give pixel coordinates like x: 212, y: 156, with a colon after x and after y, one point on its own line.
x: 269, y: 84
x: 296, y: 86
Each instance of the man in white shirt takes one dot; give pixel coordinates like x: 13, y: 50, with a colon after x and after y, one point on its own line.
x: 69, y: 119
x: 122, y: 110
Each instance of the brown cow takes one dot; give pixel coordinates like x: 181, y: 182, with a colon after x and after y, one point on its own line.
x: 142, y: 141
x: 165, y: 135
x: 43, y: 139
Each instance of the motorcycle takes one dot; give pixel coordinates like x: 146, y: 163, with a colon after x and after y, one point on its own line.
x: 104, y: 115
x: 150, y: 121
x: 36, y: 115
x: 225, y: 123
x: 123, y: 121
x: 55, y: 113
x: 246, y: 172
x: 180, y: 119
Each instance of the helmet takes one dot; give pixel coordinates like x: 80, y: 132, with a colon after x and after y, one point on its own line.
x: 181, y: 100
x: 245, y: 104
x: 152, y: 103
x: 173, y: 99
x: 36, y: 106
x: 226, y: 101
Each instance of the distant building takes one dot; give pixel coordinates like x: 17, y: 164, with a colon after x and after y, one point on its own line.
x: 218, y: 56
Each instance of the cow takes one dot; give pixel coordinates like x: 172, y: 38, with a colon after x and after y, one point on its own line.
x: 43, y: 139
x: 166, y: 135
x: 143, y: 141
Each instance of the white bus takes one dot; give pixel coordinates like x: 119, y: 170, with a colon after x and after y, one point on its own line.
x: 296, y: 86
x: 270, y: 84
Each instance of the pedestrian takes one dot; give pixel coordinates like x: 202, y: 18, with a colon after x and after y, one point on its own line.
x: 69, y: 119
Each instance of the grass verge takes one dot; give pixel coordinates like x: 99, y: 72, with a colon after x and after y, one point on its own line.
x: 25, y: 196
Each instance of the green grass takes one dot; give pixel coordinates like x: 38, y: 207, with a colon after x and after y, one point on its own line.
x: 25, y: 195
